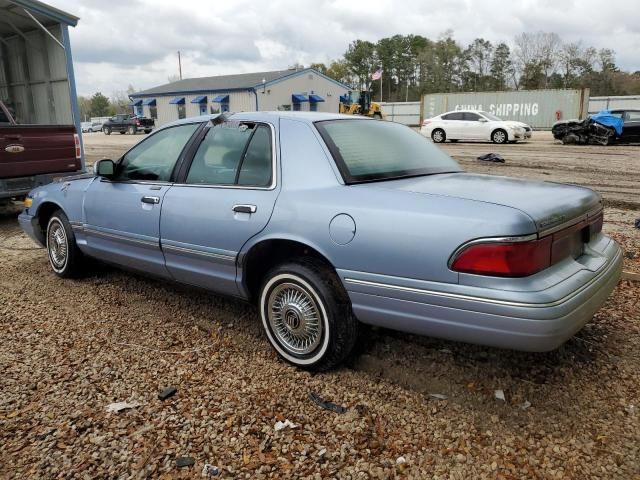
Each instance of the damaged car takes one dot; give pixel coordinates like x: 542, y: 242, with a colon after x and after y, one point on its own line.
x: 603, y: 128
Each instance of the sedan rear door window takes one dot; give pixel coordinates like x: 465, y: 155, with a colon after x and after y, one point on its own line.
x: 233, y: 153
x: 453, y: 116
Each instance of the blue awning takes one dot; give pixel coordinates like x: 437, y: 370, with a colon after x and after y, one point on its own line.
x: 149, y: 101
x: 315, y: 98
x: 200, y: 99
x: 135, y: 103
x: 221, y: 99
x: 295, y: 98
x: 177, y: 101
x: 344, y: 98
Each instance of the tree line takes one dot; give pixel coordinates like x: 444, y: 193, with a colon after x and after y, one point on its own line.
x: 413, y: 65
x: 99, y: 105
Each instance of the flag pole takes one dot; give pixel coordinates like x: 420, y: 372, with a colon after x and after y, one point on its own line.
x: 381, y: 87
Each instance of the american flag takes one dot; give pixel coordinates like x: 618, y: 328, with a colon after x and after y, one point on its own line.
x: 377, y: 74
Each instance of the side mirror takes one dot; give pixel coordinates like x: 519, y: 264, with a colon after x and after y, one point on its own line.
x: 104, y: 168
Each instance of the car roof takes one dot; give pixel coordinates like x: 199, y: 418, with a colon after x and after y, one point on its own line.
x: 272, y: 117
x: 461, y: 111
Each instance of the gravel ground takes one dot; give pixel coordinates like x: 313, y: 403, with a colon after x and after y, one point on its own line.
x: 70, y: 348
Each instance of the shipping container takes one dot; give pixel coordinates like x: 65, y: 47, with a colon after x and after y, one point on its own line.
x: 407, y: 113
x: 538, y: 108
x: 629, y: 102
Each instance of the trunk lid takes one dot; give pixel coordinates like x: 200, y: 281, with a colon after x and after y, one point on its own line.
x: 27, y: 150
x: 548, y: 204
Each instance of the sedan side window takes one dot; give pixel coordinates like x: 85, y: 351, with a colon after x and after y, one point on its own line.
x: 453, y: 116
x: 256, y: 166
x: 633, y: 117
x: 471, y: 117
x: 233, y: 154
x: 154, y: 158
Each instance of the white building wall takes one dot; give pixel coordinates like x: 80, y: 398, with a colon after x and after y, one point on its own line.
x: 279, y: 94
x: 273, y: 97
x: 241, y: 101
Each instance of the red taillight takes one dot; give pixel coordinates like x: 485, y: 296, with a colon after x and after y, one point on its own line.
x: 76, y: 140
x: 505, y: 259
x: 137, y: 122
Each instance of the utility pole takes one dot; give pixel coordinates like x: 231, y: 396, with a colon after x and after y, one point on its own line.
x: 179, y: 65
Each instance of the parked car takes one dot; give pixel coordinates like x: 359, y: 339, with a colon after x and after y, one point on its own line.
x: 125, y: 123
x: 325, y: 221
x: 32, y: 155
x: 474, y: 125
x: 85, y: 126
x: 95, y: 127
x: 604, y: 128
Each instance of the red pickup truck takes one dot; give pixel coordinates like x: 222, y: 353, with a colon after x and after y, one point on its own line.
x: 33, y: 155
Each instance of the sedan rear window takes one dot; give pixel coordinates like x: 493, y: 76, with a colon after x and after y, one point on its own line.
x: 369, y: 150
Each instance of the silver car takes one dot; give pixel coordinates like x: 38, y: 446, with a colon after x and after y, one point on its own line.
x: 325, y: 222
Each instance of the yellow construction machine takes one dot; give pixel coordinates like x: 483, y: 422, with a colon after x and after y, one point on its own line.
x: 359, y: 103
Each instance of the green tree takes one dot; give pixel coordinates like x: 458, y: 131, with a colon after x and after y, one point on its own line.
x: 361, y: 61
x: 321, y: 67
x: 100, y: 105
x: 501, y: 69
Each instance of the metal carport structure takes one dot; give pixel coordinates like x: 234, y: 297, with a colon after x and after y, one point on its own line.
x: 36, y: 67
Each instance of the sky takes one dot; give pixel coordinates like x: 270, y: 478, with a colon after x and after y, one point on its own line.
x: 134, y: 42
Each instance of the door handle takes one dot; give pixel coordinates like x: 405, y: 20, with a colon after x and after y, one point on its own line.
x: 245, y: 208
x: 151, y: 200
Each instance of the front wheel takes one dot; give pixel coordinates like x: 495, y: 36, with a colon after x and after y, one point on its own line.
x: 306, y: 314
x: 65, y: 257
x: 499, y: 136
x: 107, y: 130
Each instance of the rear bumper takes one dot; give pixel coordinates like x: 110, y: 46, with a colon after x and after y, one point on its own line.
x: 519, y: 325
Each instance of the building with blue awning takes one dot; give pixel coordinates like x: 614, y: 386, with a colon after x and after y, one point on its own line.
x: 301, y: 90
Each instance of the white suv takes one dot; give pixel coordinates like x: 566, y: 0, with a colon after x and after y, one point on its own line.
x: 474, y: 125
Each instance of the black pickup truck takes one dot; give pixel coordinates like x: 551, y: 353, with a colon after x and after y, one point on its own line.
x: 124, y: 123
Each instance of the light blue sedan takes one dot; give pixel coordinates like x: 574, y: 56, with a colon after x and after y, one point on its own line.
x: 327, y: 221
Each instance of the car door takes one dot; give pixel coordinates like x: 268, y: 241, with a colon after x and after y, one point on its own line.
x: 631, y: 128
x: 122, y: 214
x: 454, y: 126
x: 227, y: 197
x: 474, y: 128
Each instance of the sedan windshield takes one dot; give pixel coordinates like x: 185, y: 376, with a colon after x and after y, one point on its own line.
x: 368, y: 150
x: 490, y: 116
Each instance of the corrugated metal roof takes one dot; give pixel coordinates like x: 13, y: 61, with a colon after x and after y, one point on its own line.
x: 46, y: 14
x: 219, y: 83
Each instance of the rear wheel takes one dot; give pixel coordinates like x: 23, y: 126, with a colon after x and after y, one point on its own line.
x: 499, y: 136
x: 65, y: 257
x: 306, y: 314
x: 107, y: 130
x: 438, y: 135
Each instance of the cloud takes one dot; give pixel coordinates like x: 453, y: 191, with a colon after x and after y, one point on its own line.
x: 135, y: 42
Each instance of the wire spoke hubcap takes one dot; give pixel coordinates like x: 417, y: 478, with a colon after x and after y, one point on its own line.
x: 295, y: 318
x: 57, y: 242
